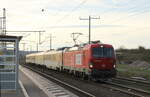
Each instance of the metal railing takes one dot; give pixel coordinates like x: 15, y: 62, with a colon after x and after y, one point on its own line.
x: 8, y: 64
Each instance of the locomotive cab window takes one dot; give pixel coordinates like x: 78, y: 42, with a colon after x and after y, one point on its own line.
x: 99, y: 52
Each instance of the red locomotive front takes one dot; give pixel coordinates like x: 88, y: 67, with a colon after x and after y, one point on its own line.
x: 95, y: 60
x: 103, y: 61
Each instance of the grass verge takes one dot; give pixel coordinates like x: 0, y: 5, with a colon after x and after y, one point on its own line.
x: 134, y: 71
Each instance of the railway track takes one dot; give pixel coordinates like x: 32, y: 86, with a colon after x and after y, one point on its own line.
x: 132, y: 92
x: 134, y: 80
x: 129, y: 90
x: 84, y: 93
x: 131, y: 86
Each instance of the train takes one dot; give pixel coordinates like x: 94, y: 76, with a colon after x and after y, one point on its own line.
x: 89, y: 61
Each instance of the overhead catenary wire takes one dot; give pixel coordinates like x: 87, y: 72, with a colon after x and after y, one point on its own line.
x: 121, y: 19
x: 129, y: 16
x: 76, y: 8
x: 66, y: 15
x: 133, y: 9
x: 129, y: 10
x: 73, y: 10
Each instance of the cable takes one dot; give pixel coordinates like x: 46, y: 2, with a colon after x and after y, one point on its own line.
x: 121, y: 19
x: 69, y: 13
x: 73, y: 10
x: 66, y: 15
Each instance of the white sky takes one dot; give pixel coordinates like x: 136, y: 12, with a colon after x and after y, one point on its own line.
x: 123, y: 22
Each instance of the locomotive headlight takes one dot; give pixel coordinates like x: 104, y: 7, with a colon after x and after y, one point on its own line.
x: 91, y: 66
x: 114, y: 66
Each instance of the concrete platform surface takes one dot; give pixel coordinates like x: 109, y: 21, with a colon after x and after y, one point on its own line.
x: 27, y: 88
x: 50, y: 88
x: 31, y: 88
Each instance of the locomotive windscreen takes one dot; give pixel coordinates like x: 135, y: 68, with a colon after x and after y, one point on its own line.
x: 102, y: 52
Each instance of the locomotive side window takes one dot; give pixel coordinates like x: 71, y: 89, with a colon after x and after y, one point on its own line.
x: 99, y: 52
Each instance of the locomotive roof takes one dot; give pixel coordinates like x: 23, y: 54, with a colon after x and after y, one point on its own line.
x: 97, y: 44
x: 107, y: 45
x: 88, y: 46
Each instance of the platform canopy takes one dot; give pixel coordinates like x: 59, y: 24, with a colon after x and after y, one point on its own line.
x: 9, y: 38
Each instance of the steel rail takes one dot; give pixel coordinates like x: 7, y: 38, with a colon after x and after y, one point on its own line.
x: 133, y: 80
x: 61, y: 82
x: 123, y: 91
x: 134, y: 91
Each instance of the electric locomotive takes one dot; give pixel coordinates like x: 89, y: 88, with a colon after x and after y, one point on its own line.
x: 94, y: 60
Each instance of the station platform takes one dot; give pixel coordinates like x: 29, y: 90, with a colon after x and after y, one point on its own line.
x: 31, y: 88
x: 34, y: 85
x: 27, y: 88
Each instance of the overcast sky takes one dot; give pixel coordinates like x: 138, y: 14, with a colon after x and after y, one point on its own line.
x: 122, y: 22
